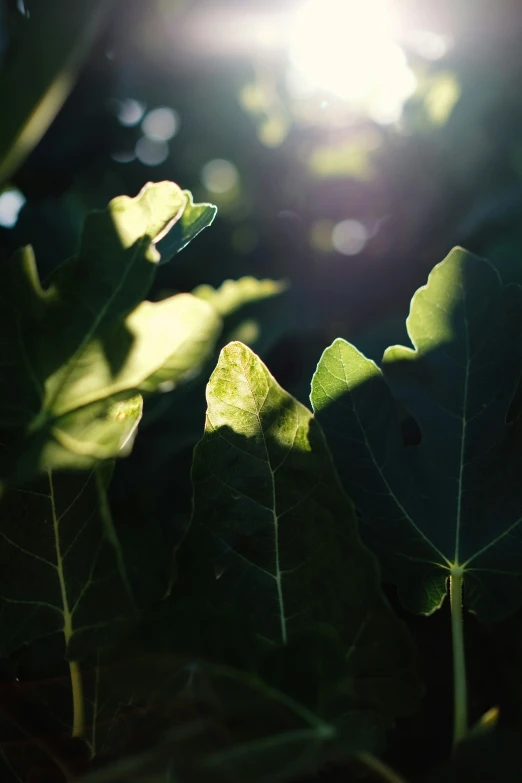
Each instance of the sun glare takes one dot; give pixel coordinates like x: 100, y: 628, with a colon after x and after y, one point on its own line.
x: 348, y: 48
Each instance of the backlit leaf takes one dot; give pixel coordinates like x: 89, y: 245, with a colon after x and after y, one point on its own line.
x: 194, y: 219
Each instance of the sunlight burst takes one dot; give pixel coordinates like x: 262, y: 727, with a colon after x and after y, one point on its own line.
x: 348, y: 48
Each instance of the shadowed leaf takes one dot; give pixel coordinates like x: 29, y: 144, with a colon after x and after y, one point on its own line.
x: 222, y: 726
x: 274, y: 536
x: 450, y: 504
x: 63, y: 568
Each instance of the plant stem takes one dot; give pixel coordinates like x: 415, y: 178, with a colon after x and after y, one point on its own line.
x: 77, y: 695
x: 378, y: 766
x: 460, y: 712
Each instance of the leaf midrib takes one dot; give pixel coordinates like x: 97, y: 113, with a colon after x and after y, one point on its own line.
x: 463, y: 430
x: 275, y: 518
x: 67, y: 614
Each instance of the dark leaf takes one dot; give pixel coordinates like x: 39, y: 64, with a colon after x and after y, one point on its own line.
x: 450, y: 504
x: 63, y: 569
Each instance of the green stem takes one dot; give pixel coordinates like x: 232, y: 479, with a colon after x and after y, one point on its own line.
x: 378, y: 766
x: 460, y: 712
x: 77, y: 696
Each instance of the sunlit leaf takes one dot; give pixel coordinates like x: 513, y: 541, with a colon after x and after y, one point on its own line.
x: 253, y: 311
x: 450, y: 504
x: 233, y: 294
x: 71, y: 348
x: 274, y: 536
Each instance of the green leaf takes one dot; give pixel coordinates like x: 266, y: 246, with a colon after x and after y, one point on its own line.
x: 252, y: 311
x: 87, y: 340
x: 80, y: 439
x: 48, y: 77
x: 62, y: 567
x: 233, y: 294
x: 450, y: 504
x: 194, y: 219
x: 274, y: 536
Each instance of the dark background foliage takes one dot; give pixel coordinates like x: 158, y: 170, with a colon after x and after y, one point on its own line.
x: 435, y: 178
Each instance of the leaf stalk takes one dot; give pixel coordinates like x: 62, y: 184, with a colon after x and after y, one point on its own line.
x: 77, y: 697
x: 460, y: 711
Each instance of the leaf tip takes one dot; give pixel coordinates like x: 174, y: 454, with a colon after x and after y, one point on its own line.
x: 235, y: 348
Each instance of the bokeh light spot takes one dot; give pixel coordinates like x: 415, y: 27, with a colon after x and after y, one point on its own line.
x: 160, y: 124
x: 252, y: 98
x: 219, y: 176
x: 273, y: 131
x: 350, y: 158
x: 349, y: 237
x: 11, y: 202
x: 130, y: 112
x: 441, y: 97
x: 152, y: 153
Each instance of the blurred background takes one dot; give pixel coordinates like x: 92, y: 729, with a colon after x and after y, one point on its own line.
x: 348, y: 144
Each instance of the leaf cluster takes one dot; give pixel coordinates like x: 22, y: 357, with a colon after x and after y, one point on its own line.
x: 270, y: 651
